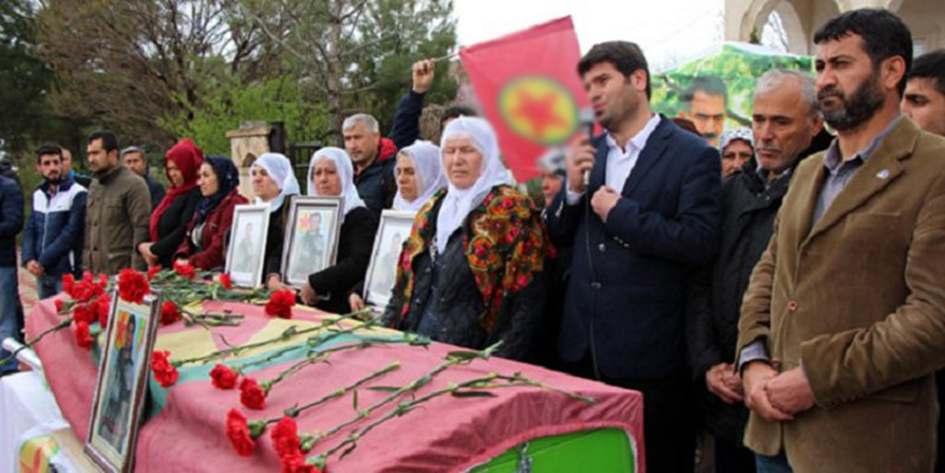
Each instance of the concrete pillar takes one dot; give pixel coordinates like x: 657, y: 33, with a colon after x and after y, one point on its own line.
x: 247, y: 143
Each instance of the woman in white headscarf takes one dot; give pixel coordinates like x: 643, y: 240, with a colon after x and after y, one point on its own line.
x: 470, y: 273
x: 419, y: 173
x: 273, y: 183
x: 331, y: 174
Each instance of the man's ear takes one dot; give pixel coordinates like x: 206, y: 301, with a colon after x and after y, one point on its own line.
x: 638, y: 80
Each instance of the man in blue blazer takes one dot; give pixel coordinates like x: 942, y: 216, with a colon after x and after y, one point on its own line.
x: 647, y: 214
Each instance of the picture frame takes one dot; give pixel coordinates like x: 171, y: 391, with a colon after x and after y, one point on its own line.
x: 122, y: 382
x: 312, y: 231
x: 392, y: 232
x: 246, y: 253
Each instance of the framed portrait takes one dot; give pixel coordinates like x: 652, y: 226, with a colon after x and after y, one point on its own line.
x: 391, y: 234
x: 311, y: 237
x: 122, y: 383
x: 246, y: 254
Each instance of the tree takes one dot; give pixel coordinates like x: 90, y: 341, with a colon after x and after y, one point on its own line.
x: 356, y: 54
x: 122, y: 64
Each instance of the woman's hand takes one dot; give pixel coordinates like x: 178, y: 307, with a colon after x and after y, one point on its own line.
x: 356, y: 303
x: 145, y: 250
x: 274, y: 283
x: 308, y: 295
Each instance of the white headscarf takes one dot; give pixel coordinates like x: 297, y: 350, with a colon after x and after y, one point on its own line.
x: 349, y: 193
x: 459, y: 202
x: 280, y: 170
x: 429, y: 171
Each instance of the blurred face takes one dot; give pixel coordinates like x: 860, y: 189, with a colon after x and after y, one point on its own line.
x: 361, y: 144
x: 174, y: 174
x: 550, y: 185
x: 263, y: 185
x: 66, y: 161
x: 326, y: 179
x: 407, y: 177
x: 316, y: 223
x: 783, y: 126
x: 848, y: 85
x: 707, y: 113
x: 50, y: 167
x: 208, y: 182
x: 462, y: 162
x: 923, y: 103
x: 615, y: 98
x: 135, y: 162
x: 734, y: 156
x: 99, y: 160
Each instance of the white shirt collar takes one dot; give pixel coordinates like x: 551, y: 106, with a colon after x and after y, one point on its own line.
x: 639, y: 140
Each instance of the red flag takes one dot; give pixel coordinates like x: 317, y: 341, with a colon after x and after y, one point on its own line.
x: 528, y: 86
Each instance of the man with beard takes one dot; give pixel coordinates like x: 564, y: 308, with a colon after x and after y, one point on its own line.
x: 647, y: 213
x: 370, y: 155
x: 52, y: 240
x: 924, y: 100
x: 118, y: 211
x: 843, y: 322
x: 133, y: 157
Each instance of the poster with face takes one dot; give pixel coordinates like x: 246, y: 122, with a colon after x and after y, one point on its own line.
x: 392, y: 232
x: 122, y: 383
x: 313, y: 230
x: 246, y: 253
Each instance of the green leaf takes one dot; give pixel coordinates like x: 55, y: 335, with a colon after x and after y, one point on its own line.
x: 384, y: 389
x: 472, y: 394
x: 462, y: 355
x: 354, y: 399
x: 348, y: 450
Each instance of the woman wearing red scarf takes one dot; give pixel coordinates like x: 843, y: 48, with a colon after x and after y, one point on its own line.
x: 170, y: 218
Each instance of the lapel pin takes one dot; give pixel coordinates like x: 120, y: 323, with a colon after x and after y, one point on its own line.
x: 883, y: 174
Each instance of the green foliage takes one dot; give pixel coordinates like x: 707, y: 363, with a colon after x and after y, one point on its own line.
x: 738, y: 68
x: 227, y: 105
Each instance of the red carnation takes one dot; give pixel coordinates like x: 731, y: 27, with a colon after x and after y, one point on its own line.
x: 285, y: 437
x: 83, y: 336
x: 185, y: 270
x: 170, y: 313
x: 164, y: 372
x: 83, y: 291
x: 252, y: 395
x: 295, y: 463
x: 102, y: 284
x: 152, y: 272
x: 101, y: 307
x: 280, y: 304
x: 226, y: 281
x: 132, y: 286
x: 237, y: 430
x: 82, y: 313
x: 59, y: 304
x: 223, y: 377
x: 68, y: 283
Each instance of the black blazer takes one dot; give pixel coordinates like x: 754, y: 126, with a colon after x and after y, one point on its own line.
x: 355, y: 242
x: 172, y: 227
x: 624, y: 298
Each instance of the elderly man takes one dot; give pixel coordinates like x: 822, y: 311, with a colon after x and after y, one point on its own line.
x: 373, y: 170
x: 119, y: 210
x: 842, y: 323
x: 134, y: 158
x: 785, y: 120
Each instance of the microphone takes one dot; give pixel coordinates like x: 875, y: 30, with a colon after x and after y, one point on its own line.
x: 587, y: 128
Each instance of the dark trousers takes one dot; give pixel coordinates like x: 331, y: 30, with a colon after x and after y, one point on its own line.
x: 940, y: 454
x: 732, y: 458
x: 668, y: 418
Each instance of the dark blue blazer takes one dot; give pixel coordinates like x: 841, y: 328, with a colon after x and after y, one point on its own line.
x: 625, y: 300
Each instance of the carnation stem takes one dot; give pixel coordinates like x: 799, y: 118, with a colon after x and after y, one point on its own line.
x: 61, y: 325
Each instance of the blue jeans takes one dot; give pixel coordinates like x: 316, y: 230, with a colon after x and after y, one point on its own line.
x: 775, y: 464
x: 10, y: 312
x: 48, y: 286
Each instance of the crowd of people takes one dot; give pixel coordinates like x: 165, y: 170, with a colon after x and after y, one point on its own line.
x: 778, y: 286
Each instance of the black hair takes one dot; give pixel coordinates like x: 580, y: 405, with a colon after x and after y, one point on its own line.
x: 48, y: 149
x: 884, y: 35
x: 930, y: 66
x: 456, y: 111
x: 625, y: 56
x: 109, y: 140
x: 710, y: 85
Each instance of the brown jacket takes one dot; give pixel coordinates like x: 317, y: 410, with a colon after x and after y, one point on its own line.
x: 117, y: 219
x: 859, y: 301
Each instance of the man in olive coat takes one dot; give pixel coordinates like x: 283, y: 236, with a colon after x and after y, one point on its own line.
x: 843, y: 322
